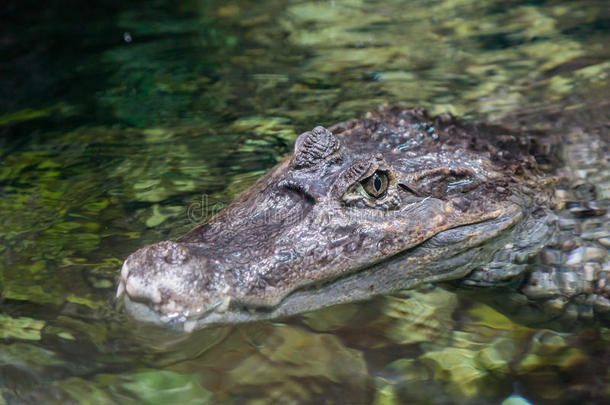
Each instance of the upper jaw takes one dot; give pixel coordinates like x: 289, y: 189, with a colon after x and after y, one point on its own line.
x: 221, y: 308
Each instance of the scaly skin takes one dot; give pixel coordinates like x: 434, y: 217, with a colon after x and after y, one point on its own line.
x: 367, y: 207
x: 569, y: 280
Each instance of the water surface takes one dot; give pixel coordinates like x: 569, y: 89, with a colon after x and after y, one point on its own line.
x: 115, y: 119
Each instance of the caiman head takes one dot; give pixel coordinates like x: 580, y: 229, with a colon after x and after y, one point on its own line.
x: 366, y: 207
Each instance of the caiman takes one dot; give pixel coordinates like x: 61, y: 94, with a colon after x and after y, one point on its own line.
x: 388, y: 202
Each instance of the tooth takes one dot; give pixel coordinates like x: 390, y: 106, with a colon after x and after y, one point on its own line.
x: 121, y: 289
x: 171, y: 306
x: 224, y: 305
x: 156, y: 297
x: 189, y: 326
x: 124, y: 270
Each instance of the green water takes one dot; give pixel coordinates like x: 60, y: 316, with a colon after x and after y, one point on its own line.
x: 115, y: 118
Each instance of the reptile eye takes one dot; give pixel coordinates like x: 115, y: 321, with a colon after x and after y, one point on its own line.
x: 376, y: 185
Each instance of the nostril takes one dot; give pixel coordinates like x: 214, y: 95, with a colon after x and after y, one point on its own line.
x: 176, y: 255
x: 170, y: 252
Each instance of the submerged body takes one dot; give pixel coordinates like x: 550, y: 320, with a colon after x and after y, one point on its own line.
x: 386, y: 202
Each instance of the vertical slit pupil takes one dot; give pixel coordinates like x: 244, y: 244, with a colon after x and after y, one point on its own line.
x: 377, y: 182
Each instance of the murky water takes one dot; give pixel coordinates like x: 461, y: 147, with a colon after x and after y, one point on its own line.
x: 115, y: 119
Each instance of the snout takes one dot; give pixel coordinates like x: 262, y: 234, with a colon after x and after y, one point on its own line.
x: 172, y: 280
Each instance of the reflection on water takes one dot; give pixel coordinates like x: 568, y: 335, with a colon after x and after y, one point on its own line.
x: 115, y: 118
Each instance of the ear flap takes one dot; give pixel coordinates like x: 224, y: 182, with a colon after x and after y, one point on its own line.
x: 313, y: 146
